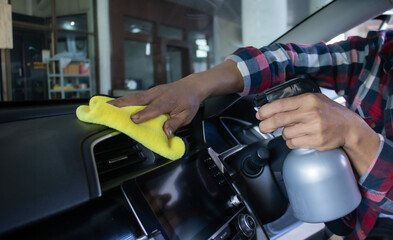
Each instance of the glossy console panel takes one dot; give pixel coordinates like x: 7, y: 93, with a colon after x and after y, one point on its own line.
x: 187, y: 199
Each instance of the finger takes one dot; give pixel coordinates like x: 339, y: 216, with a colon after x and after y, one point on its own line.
x: 283, y: 119
x: 257, y: 115
x: 276, y: 121
x: 280, y: 105
x: 151, y: 111
x: 133, y: 99
x: 285, y: 105
x: 308, y: 141
x: 174, y: 123
x: 300, y: 142
x: 296, y: 130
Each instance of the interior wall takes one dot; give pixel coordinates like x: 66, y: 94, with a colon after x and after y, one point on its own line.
x: 71, y: 7
x: 227, y: 38
x: 134, y: 64
x: 104, y: 45
x: 38, y: 8
x: 263, y: 21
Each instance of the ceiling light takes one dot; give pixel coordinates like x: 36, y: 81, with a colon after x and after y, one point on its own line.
x: 135, y: 28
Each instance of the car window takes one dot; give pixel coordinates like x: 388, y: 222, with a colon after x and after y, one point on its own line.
x: 384, y: 21
x: 76, y: 49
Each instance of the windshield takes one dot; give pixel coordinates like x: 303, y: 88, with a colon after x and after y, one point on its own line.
x: 76, y: 49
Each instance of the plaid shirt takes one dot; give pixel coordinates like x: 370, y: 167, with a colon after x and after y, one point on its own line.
x: 361, y: 70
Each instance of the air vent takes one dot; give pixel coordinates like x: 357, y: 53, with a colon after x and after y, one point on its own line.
x: 116, y: 155
x: 186, y: 134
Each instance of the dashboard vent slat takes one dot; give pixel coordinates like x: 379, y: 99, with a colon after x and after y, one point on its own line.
x: 186, y: 134
x: 115, y: 155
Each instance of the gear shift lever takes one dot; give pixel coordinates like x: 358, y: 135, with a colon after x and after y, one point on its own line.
x: 252, y: 166
x: 256, y: 183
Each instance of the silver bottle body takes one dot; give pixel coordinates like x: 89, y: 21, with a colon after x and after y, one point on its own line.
x: 321, y: 186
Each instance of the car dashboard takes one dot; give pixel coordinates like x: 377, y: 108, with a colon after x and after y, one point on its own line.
x: 65, y: 179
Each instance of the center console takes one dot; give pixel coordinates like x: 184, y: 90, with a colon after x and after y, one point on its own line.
x: 189, y: 199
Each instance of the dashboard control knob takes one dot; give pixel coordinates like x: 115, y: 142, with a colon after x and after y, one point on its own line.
x: 234, y: 201
x: 254, y: 164
x: 246, y: 224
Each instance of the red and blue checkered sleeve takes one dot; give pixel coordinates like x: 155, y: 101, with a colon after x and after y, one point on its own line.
x: 377, y: 182
x: 336, y: 66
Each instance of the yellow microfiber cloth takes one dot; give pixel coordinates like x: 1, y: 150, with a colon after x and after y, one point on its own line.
x: 149, y: 133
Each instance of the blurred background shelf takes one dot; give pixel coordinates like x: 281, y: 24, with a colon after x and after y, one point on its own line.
x: 69, y: 78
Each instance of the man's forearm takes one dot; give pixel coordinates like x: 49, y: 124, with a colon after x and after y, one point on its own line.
x: 222, y: 79
x: 361, y: 145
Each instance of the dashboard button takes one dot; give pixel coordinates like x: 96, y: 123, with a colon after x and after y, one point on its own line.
x: 224, y: 234
x: 238, y: 236
x: 234, y: 201
x: 221, y: 181
x: 212, y: 166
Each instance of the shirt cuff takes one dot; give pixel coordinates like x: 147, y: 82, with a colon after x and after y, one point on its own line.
x: 376, y: 182
x: 254, y: 68
x: 244, y: 72
x: 364, y: 176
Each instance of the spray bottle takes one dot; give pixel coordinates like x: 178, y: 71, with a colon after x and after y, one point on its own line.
x: 320, y: 185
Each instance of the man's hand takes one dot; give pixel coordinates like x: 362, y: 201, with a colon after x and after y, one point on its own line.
x: 179, y: 99
x: 315, y: 121
x: 309, y: 121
